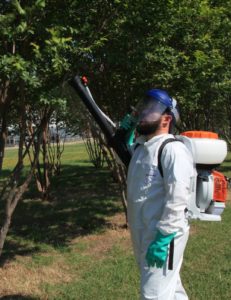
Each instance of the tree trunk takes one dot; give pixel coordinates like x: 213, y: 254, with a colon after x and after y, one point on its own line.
x: 4, y: 106
x: 13, y: 190
x: 44, y: 167
x: 120, y: 174
x: 117, y: 169
x: 3, y: 137
x: 46, y: 180
x: 11, y: 203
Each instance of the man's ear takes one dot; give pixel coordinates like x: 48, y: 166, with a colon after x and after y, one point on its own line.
x: 166, y: 119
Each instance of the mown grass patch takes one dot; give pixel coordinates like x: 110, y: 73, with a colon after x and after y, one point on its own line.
x: 106, y: 278
x: 207, y: 266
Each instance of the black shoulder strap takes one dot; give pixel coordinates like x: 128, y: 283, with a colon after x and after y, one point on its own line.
x: 170, y: 140
x: 136, y: 146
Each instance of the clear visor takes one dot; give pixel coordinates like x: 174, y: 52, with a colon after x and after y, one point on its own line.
x: 150, y: 110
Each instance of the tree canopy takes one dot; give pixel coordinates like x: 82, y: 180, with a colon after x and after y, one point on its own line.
x: 124, y: 47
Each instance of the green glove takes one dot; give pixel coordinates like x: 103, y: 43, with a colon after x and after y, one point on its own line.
x: 158, y: 250
x: 129, y: 123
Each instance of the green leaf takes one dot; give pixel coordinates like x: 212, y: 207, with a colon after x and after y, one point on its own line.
x: 18, y: 65
x: 22, y: 27
x: 35, y: 46
x: 40, y: 3
x: 18, y: 7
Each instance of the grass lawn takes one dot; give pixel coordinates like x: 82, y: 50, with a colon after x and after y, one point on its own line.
x: 76, y: 246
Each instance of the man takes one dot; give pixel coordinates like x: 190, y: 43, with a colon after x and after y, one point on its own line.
x: 157, y: 203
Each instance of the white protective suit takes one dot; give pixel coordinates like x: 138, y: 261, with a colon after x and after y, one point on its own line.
x: 158, y: 203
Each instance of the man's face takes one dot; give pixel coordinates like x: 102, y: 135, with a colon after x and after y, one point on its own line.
x: 148, y: 127
x: 150, y: 117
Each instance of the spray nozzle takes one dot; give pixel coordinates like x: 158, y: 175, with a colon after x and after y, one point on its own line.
x: 84, y: 80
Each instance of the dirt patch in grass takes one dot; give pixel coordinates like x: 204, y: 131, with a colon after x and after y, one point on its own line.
x: 25, y: 276
x: 100, y: 244
x: 20, y: 279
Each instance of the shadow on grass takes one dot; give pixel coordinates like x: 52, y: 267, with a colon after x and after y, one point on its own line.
x: 228, y: 160
x: 82, y: 198
x: 4, y: 174
x: 224, y: 169
x: 17, y: 297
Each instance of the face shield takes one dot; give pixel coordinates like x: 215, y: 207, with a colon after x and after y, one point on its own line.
x: 175, y: 111
x: 150, y: 110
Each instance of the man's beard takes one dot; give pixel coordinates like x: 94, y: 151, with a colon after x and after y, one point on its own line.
x: 146, y: 128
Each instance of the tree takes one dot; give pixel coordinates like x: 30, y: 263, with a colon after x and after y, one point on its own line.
x: 41, y: 43
x: 180, y: 46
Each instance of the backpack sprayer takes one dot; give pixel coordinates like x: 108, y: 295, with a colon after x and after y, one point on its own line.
x: 209, y: 187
